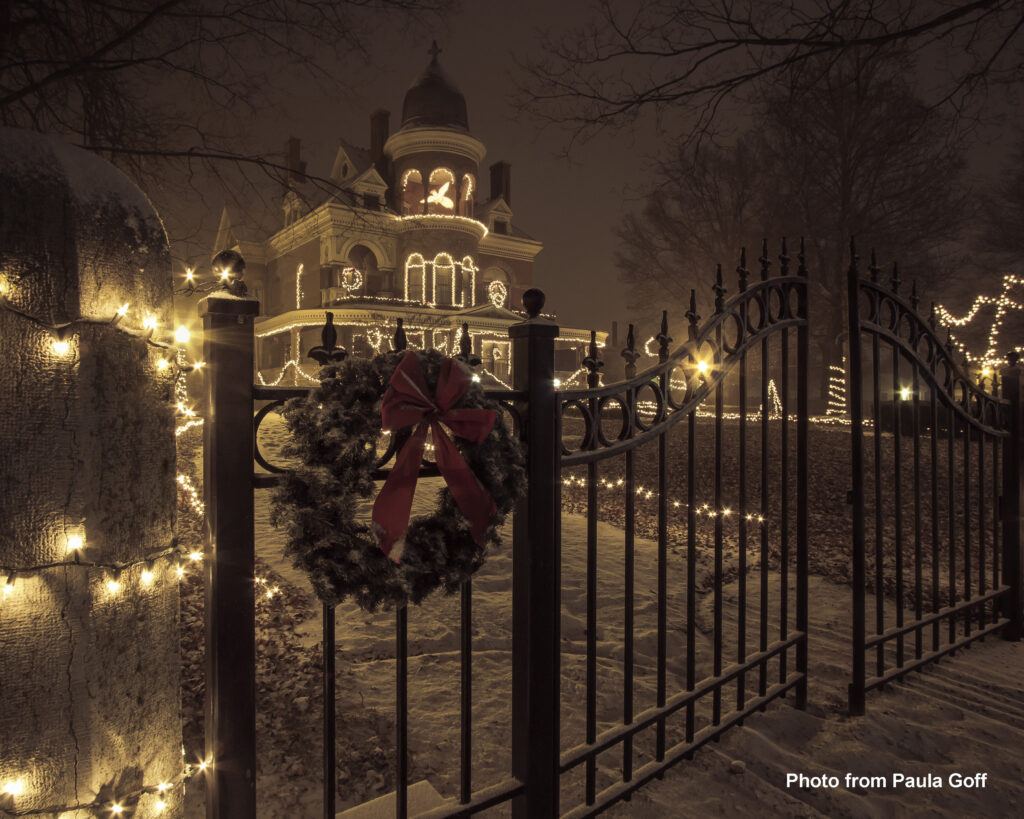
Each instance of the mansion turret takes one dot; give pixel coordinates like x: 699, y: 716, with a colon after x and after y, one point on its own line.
x: 403, y: 232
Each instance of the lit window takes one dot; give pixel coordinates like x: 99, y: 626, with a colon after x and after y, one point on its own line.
x: 415, y: 277
x: 443, y: 279
x: 412, y: 192
x: 466, y: 195
x: 441, y: 193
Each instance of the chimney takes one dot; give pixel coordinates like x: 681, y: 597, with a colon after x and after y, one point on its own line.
x: 378, y: 133
x: 501, y: 181
x: 296, y: 167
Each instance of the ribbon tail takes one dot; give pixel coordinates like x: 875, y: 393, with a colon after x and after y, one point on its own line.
x: 394, y: 502
x: 476, y: 505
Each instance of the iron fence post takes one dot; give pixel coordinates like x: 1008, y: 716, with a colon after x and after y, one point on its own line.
x: 1013, y: 499
x: 229, y: 557
x: 536, y: 571
x: 857, y: 692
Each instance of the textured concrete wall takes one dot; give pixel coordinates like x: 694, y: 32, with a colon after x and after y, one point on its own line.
x: 89, y: 676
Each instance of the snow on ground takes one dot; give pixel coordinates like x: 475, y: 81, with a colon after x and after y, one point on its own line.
x: 964, y: 716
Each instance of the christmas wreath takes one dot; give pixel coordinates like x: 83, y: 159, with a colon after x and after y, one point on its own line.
x: 335, y: 433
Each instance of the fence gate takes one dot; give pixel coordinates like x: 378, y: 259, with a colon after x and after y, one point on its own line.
x: 745, y: 663
x: 936, y: 467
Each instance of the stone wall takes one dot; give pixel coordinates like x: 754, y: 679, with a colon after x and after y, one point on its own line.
x: 90, y: 665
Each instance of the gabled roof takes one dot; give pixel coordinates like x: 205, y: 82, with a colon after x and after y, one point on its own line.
x: 358, y: 160
x: 488, y: 310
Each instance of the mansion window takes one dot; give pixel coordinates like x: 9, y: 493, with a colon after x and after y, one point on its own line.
x: 441, y: 192
x: 442, y: 281
x: 412, y: 192
x: 466, y: 195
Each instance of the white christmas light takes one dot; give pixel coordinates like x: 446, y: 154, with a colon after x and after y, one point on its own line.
x: 14, y: 788
x: 182, y: 335
x: 74, y: 543
x: 61, y: 347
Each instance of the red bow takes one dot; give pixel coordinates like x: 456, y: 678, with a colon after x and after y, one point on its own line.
x: 407, y: 402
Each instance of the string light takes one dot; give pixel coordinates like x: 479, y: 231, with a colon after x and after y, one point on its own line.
x: 182, y: 335
x: 75, y: 543
x: 836, y: 390
x: 61, y: 347
x: 1003, y: 304
x: 14, y: 788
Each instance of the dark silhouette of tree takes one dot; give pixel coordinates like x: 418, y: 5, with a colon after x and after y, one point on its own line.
x: 691, y: 56
x: 1002, y: 233
x: 855, y: 154
x: 169, y: 90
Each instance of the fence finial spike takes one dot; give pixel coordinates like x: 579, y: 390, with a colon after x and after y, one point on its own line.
x: 630, y: 354
x: 692, y: 316
x: 466, y: 347
x: 784, y: 259
x: 328, y: 351
x: 663, y: 337
x: 914, y: 300
x: 873, y: 268
x: 764, y: 260
x: 895, y: 282
x: 400, y: 341
x: 719, y: 288
x: 593, y: 363
x: 742, y: 271
x: 802, y: 259
x: 932, y: 318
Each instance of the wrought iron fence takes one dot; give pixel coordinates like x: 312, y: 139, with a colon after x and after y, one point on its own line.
x: 936, y: 463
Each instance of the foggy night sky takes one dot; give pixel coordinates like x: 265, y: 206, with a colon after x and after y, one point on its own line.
x: 573, y: 206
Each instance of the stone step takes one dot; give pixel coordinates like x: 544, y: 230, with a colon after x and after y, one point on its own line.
x: 422, y: 797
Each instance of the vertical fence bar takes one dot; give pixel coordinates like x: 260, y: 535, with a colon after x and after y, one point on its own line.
x: 594, y: 407
x: 330, y: 714
x: 897, y: 493
x: 719, y: 513
x: 996, y: 444
x: 951, y: 506
x: 936, y: 603
x: 230, y: 558
x: 802, y: 366
x: 1013, y: 499
x: 981, y: 525
x: 466, y: 705
x: 691, y: 565
x: 918, y: 603
x: 402, y: 711
x: 784, y: 499
x: 536, y: 570
x: 627, y: 597
x: 877, y: 477
x: 663, y: 342
x: 967, y: 523
x: 784, y: 509
x: 762, y: 682
x: 741, y: 603
x: 692, y: 384
x: 856, y: 690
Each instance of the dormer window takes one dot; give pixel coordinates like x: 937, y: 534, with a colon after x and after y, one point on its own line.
x: 501, y: 226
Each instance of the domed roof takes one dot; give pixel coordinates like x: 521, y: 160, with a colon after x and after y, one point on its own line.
x: 433, y: 100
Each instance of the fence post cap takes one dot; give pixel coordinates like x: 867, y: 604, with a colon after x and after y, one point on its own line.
x: 221, y: 302
x: 1013, y: 358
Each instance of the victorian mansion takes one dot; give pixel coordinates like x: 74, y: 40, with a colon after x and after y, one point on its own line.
x: 406, y: 233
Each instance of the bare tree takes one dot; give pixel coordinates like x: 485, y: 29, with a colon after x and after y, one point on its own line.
x: 689, y: 56
x: 856, y: 153
x: 169, y: 89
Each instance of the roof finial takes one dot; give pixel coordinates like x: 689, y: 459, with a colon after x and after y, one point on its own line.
x: 434, y: 51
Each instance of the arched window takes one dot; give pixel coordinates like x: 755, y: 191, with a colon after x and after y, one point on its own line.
x: 498, y: 294
x: 466, y: 189
x: 468, y: 289
x: 412, y: 192
x: 415, y: 278
x: 444, y: 280
x: 441, y: 193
